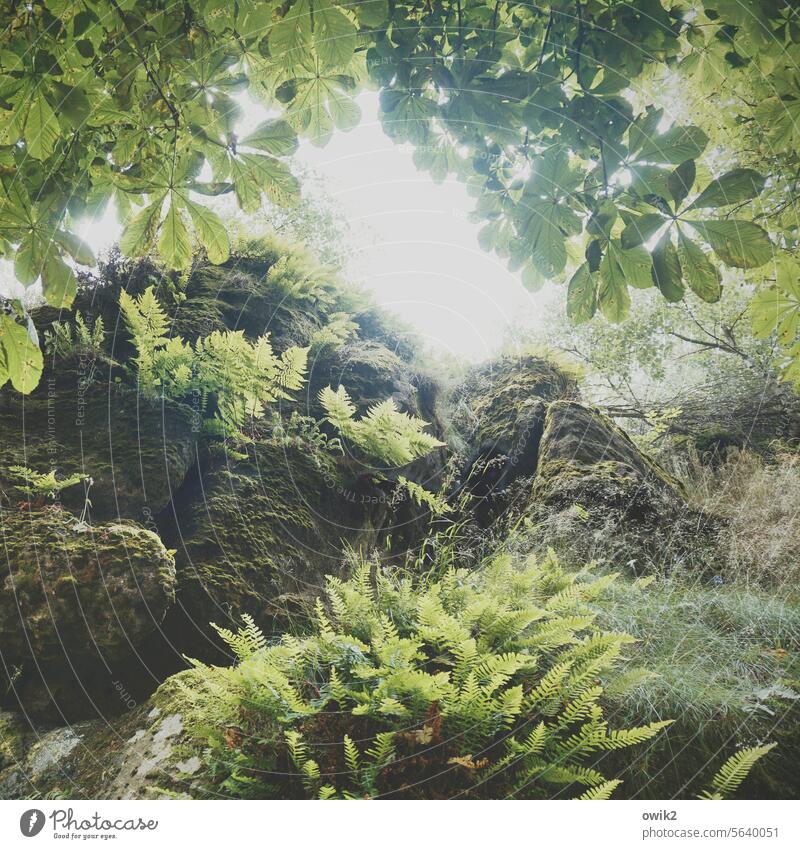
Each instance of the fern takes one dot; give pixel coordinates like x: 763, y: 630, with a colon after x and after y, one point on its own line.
x: 734, y: 771
x: 242, y: 376
x: 440, y: 678
x: 384, y: 433
x: 43, y: 484
x: 602, y: 791
x: 245, y: 641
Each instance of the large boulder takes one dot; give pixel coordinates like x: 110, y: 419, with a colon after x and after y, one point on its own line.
x: 597, y: 495
x: 76, y: 602
x: 154, y: 750
x: 258, y: 533
x: 136, y: 450
x: 498, y: 414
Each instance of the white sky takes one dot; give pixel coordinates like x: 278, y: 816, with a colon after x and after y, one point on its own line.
x: 411, y: 244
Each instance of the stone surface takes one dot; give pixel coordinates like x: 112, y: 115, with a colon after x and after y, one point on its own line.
x: 596, y: 495
x: 76, y: 600
x: 137, y: 451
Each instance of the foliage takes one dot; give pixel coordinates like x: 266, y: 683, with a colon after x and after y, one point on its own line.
x: 548, y: 113
x: 734, y: 771
x: 44, y: 484
x: 242, y: 376
x: 63, y: 339
x: 302, y: 432
x: 482, y: 684
x: 435, y: 502
x: 384, y: 433
x: 776, y: 309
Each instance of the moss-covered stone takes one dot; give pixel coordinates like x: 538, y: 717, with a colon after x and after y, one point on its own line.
x: 597, y: 495
x: 154, y: 750
x: 137, y: 451
x: 259, y: 534
x: 500, y: 401
x: 76, y: 601
x: 497, y: 414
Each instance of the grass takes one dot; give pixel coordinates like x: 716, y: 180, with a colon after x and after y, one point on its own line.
x: 760, y: 499
x: 723, y: 661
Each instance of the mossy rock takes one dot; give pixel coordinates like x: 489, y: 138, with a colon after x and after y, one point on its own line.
x: 497, y: 414
x: 76, y: 601
x: 137, y: 451
x: 497, y: 402
x: 371, y: 373
x: 597, y: 495
x: 260, y: 533
x: 583, y: 455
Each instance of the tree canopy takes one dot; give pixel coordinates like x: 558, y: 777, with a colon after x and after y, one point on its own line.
x: 558, y: 116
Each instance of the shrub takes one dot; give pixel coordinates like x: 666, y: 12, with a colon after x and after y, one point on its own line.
x: 384, y: 433
x: 479, y: 684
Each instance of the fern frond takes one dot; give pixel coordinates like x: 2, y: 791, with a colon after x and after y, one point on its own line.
x: 734, y: 771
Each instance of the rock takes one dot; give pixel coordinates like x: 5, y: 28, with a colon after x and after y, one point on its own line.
x: 149, y: 752
x: 76, y: 601
x: 584, y: 458
x: 498, y: 412
x: 136, y: 451
x: 597, y: 495
x: 261, y: 532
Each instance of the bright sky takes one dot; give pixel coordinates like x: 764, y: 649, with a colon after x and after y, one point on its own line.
x: 412, y: 244
x: 420, y: 256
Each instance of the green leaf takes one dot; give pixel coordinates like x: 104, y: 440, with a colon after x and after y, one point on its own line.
x: 674, y: 146
x: 641, y: 230
x: 273, y: 177
x: 681, y: 180
x: 42, y: 130
x: 137, y: 238
x: 613, y: 297
x: 372, y: 13
x: 344, y: 111
x: 274, y: 137
x: 778, y: 307
x: 736, y: 186
x: 636, y: 265
x: 544, y: 239
x: 290, y: 39
x: 210, y: 230
x: 20, y: 358
x: 174, y: 246
x: 248, y: 194
x: 741, y: 244
x: 30, y: 258
x: 700, y: 272
x: 667, y: 269
x: 582, y: 295
x: 58, y: 282
x: 75, y: 247
x: 334, y: 35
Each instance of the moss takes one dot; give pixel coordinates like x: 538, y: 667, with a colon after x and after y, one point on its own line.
x: 583, y: 446
x: 152, y: 751
x: 14, y: 739
x: 136, y: 451
x: 597, y: 496
x: 76, y: 600
x: 498, y: 400
x: 264, y: 531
